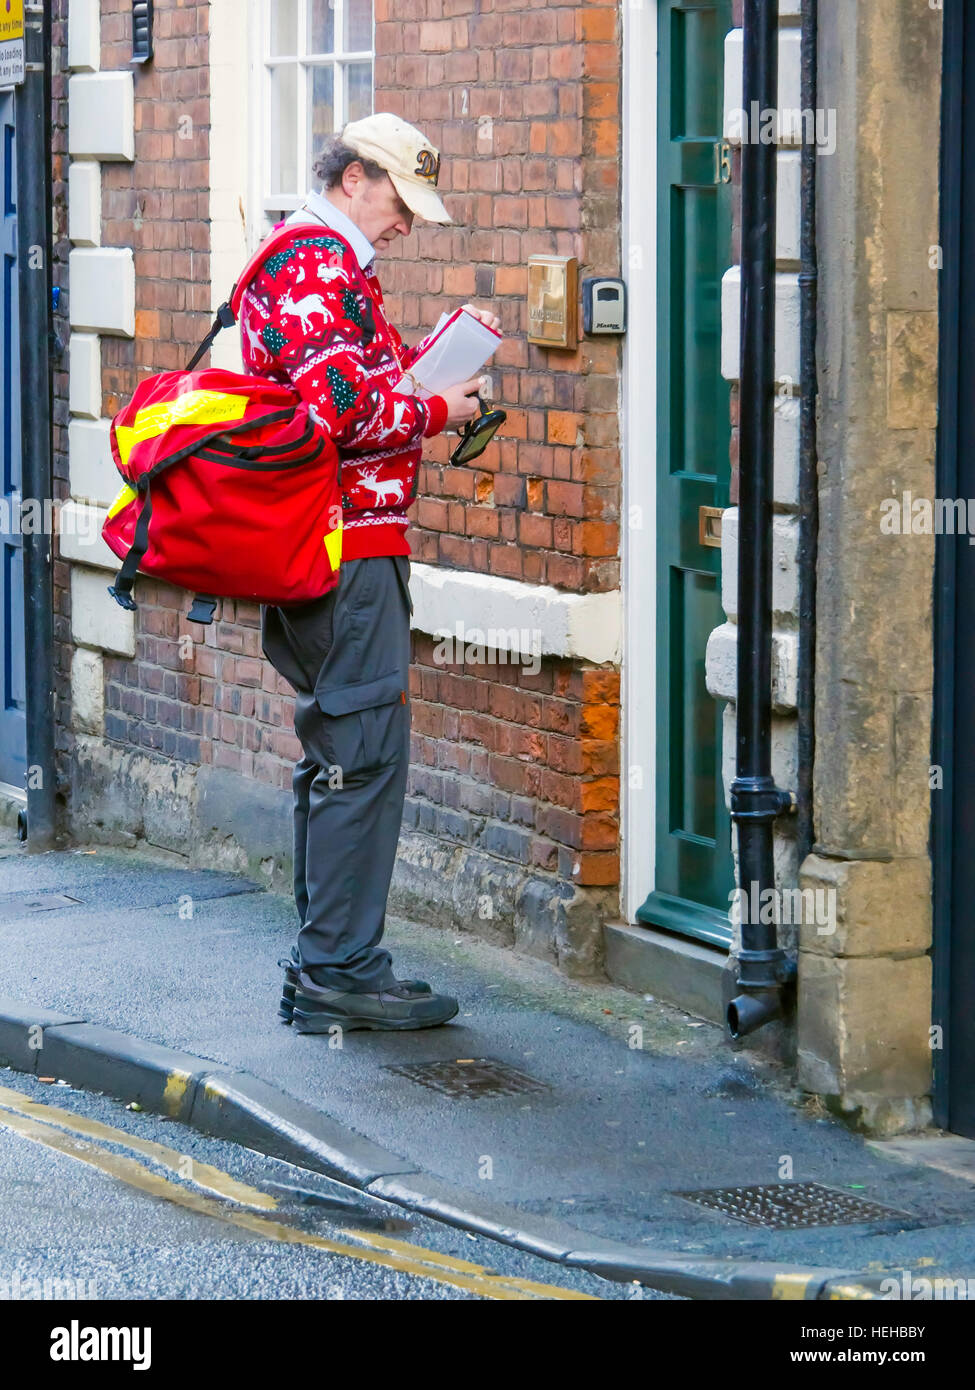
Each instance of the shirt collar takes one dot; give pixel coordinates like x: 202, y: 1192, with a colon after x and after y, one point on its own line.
x: 319, y: 206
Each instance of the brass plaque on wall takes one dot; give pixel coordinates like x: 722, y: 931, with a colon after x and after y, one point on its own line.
x: 553, y: 300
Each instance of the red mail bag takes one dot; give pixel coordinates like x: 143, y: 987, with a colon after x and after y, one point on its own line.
x: 231, y: 483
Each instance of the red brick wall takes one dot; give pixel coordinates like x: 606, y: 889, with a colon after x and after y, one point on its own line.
x: 160, y: 205
x: 524, y: 766
x: 523, y: 103
x: 210, y: 698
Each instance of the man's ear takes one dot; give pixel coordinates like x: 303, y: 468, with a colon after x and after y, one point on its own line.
x: 352, y: 175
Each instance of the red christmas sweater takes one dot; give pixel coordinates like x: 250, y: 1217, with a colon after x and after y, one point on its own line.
x: 311, y: 316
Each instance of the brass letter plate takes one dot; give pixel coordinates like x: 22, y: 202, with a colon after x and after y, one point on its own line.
x: 553, y: 300
x: 709, y: 526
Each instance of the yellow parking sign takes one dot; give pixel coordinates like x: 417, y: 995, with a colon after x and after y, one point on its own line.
x: 11, y: 20
x: 11, y: 42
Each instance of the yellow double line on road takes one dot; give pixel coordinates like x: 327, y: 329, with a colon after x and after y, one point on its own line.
x: 79, y: 1138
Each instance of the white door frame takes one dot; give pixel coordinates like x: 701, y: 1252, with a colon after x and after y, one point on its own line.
x: 639, y: 454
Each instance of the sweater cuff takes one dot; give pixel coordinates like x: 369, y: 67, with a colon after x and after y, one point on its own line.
x: 437, y: 413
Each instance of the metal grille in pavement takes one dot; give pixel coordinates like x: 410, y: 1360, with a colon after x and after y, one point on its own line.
x: 470, y: 1077
x: 789, y: 1205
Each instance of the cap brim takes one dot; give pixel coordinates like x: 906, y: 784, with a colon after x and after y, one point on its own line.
x: 420, y: 199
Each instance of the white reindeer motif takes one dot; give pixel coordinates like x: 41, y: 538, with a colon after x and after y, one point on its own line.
x: 399, y: 411
x: 304, y: 308
x: 330, y: 272
x: 384, y: 492
x: 255, y: 342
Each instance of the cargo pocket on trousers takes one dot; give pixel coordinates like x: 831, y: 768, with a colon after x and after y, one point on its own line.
x: 365, y: 723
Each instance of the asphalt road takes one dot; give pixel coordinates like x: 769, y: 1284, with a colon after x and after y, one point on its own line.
x: 98, y: 1201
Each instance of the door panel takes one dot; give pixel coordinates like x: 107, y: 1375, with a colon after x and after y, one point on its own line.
x: 13, y: 757
x: 693, y: 871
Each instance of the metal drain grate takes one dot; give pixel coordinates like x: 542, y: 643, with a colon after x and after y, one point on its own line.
x: 471, y: 1078
x: 790, y: 1205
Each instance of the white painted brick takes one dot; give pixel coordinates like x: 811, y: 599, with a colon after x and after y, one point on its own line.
x: 788, y: 205
x: 85, y: 375
x: 785, y: 571
x: 85, y: 202
x: 543, y: 619
x: 785, y: 451
x: 87, y: 692
x: 80, y: 536
x: 785, y: 749
x: 84, y: 35
x: 721, y: 666
x: 101, y: 116
x: 789, y: 85
x: 102, y: 290
x: 786, y: 325
x: 92, y: 475
x: 96, y: 619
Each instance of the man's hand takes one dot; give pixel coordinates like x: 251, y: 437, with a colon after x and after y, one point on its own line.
x: 461, y: 402
x: 485, y: 316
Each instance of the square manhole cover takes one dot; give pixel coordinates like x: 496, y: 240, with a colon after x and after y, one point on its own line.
x: 790, y: 1205
x: 470, y: 1077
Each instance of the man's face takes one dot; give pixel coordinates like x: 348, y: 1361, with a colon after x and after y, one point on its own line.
x: 376, y: 208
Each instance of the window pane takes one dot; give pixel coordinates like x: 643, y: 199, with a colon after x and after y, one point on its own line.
x: 321, y: 117
x: 321, y: 26
x: 358, y: 26
x: 284, y: 27
x: 284, y: 128
x: 358, y: 90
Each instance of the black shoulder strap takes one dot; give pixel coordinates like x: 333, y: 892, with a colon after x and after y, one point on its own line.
x: 224, y: 319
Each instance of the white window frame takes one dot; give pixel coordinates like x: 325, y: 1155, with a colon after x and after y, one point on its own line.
x: 271, y: 202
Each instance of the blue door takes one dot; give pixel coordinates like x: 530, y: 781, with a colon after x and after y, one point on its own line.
x: 13, y: 727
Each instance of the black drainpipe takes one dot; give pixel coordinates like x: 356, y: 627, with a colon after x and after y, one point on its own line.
x: 808, y: 477
x: 763, y: 967
x: 34, y: 232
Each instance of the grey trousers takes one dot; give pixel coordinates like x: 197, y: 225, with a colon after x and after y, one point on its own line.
x: 347, y: 655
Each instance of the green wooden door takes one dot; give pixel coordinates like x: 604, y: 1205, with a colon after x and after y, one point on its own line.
x: 693, y: 870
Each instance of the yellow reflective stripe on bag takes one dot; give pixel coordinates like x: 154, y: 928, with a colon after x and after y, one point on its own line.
x: 333, y: 546
x: 122, y: 500
x: 192, y: 408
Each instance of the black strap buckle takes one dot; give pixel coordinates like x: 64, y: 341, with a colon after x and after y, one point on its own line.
x: 202, y: 609
x: 125, y: 600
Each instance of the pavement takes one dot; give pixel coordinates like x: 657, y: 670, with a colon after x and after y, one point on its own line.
x: 150, y: 981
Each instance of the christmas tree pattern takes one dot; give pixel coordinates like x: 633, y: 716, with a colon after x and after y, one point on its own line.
x: 327, y: 243
x: 343, y: 392
x: 280, y: 258
x: 272, y: 338
x: 350, y: 308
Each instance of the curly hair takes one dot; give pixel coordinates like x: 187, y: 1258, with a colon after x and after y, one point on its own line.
x: 336, y: 157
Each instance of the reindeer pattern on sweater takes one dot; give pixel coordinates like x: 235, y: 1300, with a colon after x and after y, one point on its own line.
x: 313, y: 317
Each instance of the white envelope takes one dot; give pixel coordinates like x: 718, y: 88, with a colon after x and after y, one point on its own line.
x: 458, y: 349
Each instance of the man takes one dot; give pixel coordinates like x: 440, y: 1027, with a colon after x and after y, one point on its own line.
x: 314, y: 316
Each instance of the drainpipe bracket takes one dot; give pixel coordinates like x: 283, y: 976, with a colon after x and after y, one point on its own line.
x: 758, y: 799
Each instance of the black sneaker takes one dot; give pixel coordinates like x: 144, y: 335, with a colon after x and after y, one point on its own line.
x: 291, y: 965
x: 401, y: 1006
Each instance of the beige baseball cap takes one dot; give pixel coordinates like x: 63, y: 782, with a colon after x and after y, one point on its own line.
x: 411, y: 162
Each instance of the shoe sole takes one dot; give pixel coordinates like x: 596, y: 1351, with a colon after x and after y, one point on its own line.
x: 322, y: 1021
x: 286, y: 1008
